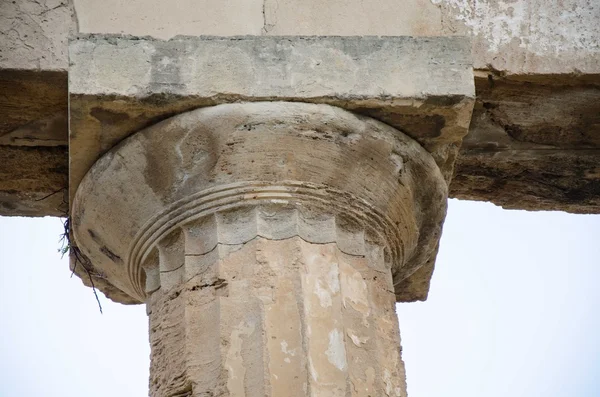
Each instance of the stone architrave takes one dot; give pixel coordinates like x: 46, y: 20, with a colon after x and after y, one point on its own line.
x: 263, y: 238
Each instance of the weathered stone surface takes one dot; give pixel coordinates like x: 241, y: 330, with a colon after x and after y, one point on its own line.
x: 33, y: 181
x: 33, y: 107
x: 118, y: 85
x: 321, y: 160
x: 33, y: 34
x: 33, y: 143
x: 268, y: 17
x: 274, y: 318
x: 519, y: 36
x: 528, y: 36
x: 162, y: 19
x: 529, y: 40
x: 233, y: 217
x: 533, y: 144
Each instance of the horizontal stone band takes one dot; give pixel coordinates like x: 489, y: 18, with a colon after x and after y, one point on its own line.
x: 305, y: 201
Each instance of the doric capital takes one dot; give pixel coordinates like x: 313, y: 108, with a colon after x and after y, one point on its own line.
x: 229, y: 173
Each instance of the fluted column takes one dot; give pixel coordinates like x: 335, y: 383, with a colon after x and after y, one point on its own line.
x: 272, y: 315
x: 266, y: 240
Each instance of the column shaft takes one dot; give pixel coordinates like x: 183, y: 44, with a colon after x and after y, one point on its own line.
x: 276, y: 318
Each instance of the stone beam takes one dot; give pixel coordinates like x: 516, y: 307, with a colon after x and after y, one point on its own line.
x: 520, y: 37
x: 533, y: 143
x: 521, y: 45
x: 33, y: 107
x: 420, y: 86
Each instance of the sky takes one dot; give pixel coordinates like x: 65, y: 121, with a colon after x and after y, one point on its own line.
x: 513, y: 311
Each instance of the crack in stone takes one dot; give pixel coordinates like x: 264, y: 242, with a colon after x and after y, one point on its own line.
x: 264, y: 16
x: 267, y: 26
x: 252, y: 239
x: 272, y: 239
x: 218, y: 284
x: 52, y: 9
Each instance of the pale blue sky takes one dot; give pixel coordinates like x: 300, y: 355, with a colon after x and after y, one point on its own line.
x: 513, y: 311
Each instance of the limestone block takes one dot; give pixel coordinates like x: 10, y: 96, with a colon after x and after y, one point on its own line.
x: 33, y: 143
x: 270, y: 242
x: 517, y: 37
x: 118, y: 85
x: 533, y: 144
x: 33, y: 107
x: 166, y: 19
x: 527, y: 37
x: 33, y: 181
x: 33, y: 34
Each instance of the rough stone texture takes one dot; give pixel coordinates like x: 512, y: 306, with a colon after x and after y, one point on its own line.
x: 33, y: 143
x: 528, y: 36
x: 33, y: 181
x: 533, y: 144
x: 33, y: 34
x: 236, y: 216
x: 533, y: 41
x: 33, y: 107
x: 268, y: 17
x: 353, y: 18
x: 520, y: 37
x: 273, y: 318
x: 349, y: 172
x: 118, y: 85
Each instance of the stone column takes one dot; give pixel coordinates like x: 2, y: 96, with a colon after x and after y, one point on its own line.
x: 265, y: 238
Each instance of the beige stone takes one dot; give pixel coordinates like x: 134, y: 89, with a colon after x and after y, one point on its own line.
x: 33, y: 107
x: 33, y: 34
x: 270, y: 240
x: 234, y: 217
x: 277, y: 318
x: 119, y: 85
x: 221, y: 155
x: 529, y: 36
x: 547, y: 53
x: 518, y: 37
x: 33, y: 143
x: 34, y: 184
x: 165, y: 19
x: 353, y: 18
